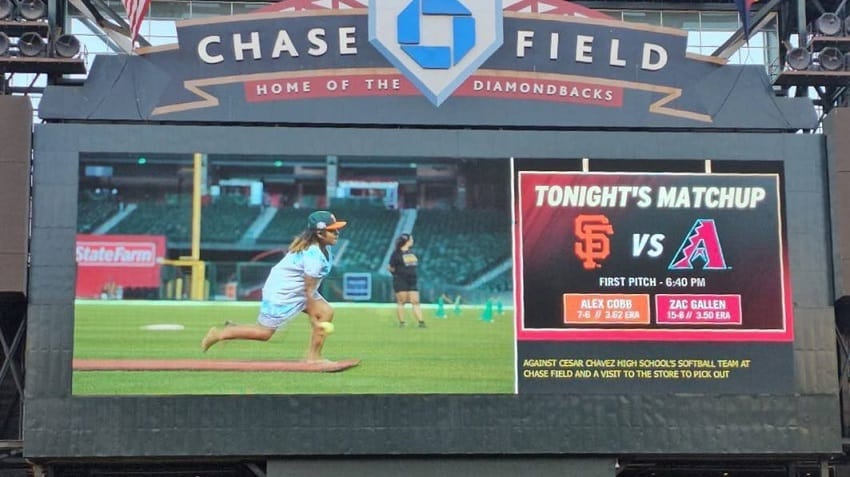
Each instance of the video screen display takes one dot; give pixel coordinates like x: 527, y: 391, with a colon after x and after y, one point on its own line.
x: 209, y: 274
x: 170, y: 247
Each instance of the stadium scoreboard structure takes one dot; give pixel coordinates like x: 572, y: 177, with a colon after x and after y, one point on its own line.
x: 668, y: 284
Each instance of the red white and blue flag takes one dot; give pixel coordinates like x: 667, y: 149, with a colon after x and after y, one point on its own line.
x: 136, y: 10
x: 744, y: 7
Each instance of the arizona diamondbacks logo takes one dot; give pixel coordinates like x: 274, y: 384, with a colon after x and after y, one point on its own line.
x: 436, y: 44
x: 702, y: 242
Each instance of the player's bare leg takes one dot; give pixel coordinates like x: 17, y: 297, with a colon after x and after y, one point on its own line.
x: 417, y: 308
x: 236, y: 332
x: 400, y: 300
x: 319, y: 311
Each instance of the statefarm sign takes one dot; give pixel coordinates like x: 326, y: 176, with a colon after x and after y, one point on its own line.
x: 105, y: 261
x: 436, y: 50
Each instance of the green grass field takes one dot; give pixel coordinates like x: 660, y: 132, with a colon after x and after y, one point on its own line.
x: 460, y: 354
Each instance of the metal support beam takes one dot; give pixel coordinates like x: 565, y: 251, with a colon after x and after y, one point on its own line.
x: 118, y: 32
x: 817, y: 5
x: 737, y: 40
x: 10, y: 353
x: 843, y: 372
x: 12, y: 332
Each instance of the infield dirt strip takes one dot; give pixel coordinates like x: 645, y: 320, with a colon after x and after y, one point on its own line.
x: 211, y: 365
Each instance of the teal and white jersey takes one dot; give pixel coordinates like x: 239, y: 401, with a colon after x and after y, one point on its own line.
x: 285, y: 283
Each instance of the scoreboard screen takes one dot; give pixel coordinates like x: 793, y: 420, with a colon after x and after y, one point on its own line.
x: 659, y: 280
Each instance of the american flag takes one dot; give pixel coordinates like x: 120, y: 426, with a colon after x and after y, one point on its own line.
x: 744, y: 7
x: 136, y: 10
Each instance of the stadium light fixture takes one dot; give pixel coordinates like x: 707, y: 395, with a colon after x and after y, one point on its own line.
x: 7, y: 9
x: 32, y: 9
x: 66, y: 46
x: 831, y: 59
x: 37, y: 44
x: 828, y: 24
x: 5, y: 44
x: 31, y: 44
x: 798, y: 58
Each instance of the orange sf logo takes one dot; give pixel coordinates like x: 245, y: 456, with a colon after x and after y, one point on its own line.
x: 593, y: 232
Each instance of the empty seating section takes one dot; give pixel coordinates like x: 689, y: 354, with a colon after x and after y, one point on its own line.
x: 369, y: 234
x: 170, y: 217
x: 286, y: 224
x: 225, y: 220
x: 222, y: 221
x: 91, y: 213
x: 458, y: 246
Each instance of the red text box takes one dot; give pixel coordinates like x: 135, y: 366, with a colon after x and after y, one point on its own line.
x: 698, y: 309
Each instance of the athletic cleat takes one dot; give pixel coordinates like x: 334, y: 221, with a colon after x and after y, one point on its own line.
x: 422, y: 324
x: 210, y: 339
x: 401, y: 324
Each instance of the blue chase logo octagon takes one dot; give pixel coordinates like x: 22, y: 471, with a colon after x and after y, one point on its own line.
x: 436, y: 44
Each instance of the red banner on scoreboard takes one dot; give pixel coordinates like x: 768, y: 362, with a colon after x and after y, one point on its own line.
x: 105, y: 262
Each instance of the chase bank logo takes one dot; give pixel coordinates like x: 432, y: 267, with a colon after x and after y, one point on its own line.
x: 436, y: 44
x: 436, y: 56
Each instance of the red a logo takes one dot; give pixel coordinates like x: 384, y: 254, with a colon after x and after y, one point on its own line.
x: 700, y: 243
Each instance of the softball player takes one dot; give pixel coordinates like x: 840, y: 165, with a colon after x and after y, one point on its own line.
x: 292, y: 287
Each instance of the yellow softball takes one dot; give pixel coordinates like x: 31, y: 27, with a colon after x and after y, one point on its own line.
x: 327, y: 327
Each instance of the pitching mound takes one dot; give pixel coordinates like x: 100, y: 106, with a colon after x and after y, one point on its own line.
x: 212, y: 365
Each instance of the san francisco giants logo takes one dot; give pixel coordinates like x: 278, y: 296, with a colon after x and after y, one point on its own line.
x: 594, y: 245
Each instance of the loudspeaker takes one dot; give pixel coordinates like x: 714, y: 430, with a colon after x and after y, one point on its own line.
x: 31, y: 44
x: 828, y: 24
x: 66, y: 46
x: 7, y: 9
x: 32, y: 9
x: 831, y: 59
x: 5, y: 44
x: 798, y: 58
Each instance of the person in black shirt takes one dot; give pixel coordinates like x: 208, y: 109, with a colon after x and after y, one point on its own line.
x: 403, y: 263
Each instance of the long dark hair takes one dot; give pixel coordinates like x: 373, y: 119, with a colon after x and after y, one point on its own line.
x: 401, y: 240
x: 304, y: 240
